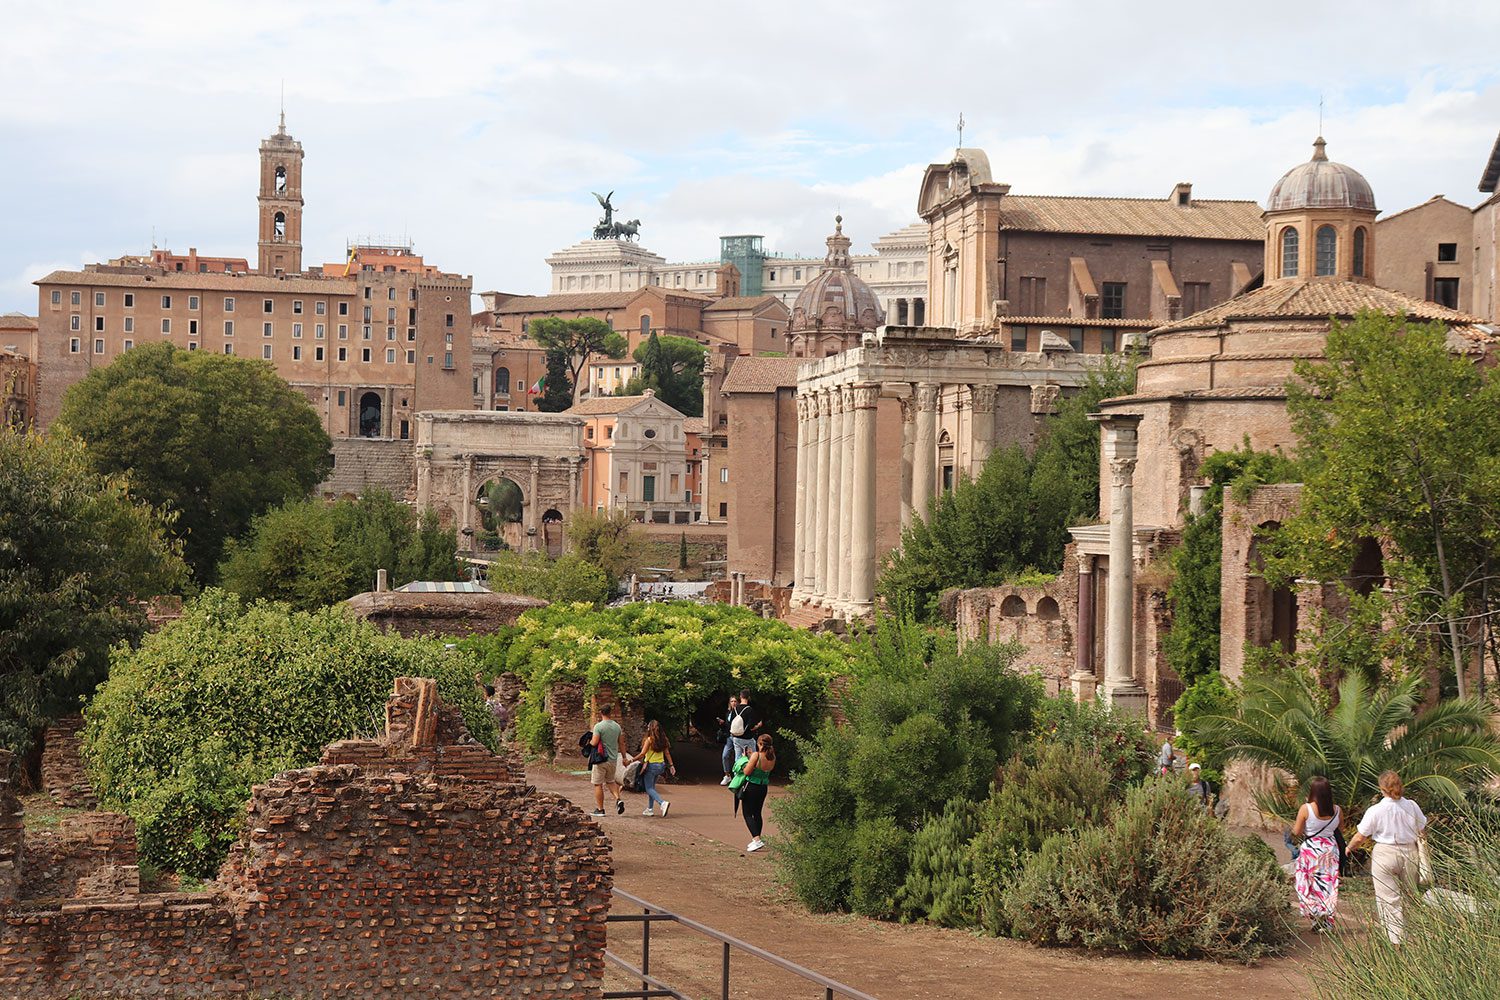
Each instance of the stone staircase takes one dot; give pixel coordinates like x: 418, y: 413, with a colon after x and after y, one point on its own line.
x: 806, y: 616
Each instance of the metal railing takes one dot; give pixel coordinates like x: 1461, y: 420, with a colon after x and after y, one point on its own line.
x: 651, y: 986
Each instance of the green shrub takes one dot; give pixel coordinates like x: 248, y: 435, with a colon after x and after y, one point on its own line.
x: 880, y: 848
x: 1063, y: 790
x: 1206, y: 698
x: 567, y: 580
x: 939, y: 881
x: 1161, y: 876
x: 534, y: 725
x: 231, y: 694
x: 1119, y: 740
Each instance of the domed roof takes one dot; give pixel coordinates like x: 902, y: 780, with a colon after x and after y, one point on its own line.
x: 1321, y: 183
x: 837, y: 299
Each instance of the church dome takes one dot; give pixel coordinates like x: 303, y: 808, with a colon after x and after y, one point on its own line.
x: 1321, y: 183
x: 837, y: 299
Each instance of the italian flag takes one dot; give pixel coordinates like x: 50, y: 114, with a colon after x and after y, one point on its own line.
x: 541, y: 384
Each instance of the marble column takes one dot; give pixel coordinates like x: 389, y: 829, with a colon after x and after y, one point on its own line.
x: 824, y: 474
x: 534, y: 507
x: 982, y: 400
x: 908, y: 446
x: 846, y: 494
x: 835, y: 493
x: 924, y: 450
x: 799, y: 522
x: 466, y: 507
x: 866, y: 397
x: 1119, y: 446
x: 1083, y: 679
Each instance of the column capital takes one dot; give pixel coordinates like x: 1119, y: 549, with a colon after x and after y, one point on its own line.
x: 1121, y: 472
x: 536, y: 465
x: 927, y: 395
x: 908, y: 409
x: 865, y: 395
x: 824, y: 401
x: 984, y: 397
x: 846, y: 397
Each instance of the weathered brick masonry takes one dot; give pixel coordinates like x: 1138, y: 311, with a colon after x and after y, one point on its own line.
x: 415, y: 863
x: 63, y: 774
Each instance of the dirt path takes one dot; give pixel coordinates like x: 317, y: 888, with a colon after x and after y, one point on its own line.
x: 693, y: 863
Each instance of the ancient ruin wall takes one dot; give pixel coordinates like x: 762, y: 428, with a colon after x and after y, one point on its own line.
x: 63, y: 774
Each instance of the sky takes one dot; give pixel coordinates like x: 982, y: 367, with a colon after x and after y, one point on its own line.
x: 478, y: 130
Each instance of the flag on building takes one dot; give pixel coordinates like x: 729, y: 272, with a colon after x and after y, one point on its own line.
x: 541, y: 384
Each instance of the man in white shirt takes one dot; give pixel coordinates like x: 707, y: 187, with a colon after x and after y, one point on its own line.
x: 1393, y: 825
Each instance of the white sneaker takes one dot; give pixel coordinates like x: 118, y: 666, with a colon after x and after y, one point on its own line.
x: 647, y: 812
x: 664, y: 807
x: 725, y: 781
x: 755, y: 845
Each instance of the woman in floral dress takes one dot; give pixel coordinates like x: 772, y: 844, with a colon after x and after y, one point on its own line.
x: 1317, y: 879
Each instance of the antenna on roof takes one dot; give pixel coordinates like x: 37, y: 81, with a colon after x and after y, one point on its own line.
x: 960, y: 130
x: 1320, y: 114
x: 282, y: 130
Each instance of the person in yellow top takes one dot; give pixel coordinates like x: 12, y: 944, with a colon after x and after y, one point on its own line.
x: 656, y: 755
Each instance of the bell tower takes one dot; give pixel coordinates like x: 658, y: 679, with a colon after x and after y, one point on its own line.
x: 280, y: 203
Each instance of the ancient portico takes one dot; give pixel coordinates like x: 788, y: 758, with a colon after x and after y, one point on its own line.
x: 948, y: 400
x: 460, y: 451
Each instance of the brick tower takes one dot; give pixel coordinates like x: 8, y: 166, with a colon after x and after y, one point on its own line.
x: 280, y: 203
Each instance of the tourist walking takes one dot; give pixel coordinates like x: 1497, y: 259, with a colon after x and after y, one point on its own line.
x: 758, y: 766
x: 606, y: 774
x: 1165, y: 757
x: 1393, y: 825
x: 727, y: 755
x: 1317, y: 870
x: 656, y: 755
x: 744, y: 725
x: 1200, y: 787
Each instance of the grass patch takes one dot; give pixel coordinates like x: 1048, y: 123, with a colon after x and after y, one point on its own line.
x: 42, y: 814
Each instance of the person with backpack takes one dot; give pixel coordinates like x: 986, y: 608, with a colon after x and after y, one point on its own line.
x: 727, y: 755
x: 744, y: 723
x: 1200, y: 787
x: 604, y: 773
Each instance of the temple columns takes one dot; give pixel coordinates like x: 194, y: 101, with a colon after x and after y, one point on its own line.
x: 982, y: 421
x: 908, y: 447
x: 846, y: 492
x: 799, y: 521
x: 823, y: 473
x: 837, y: 510
x: 1083, y: 680
x: 861, y: 592
x: 1119, y: 444
x: 924, y: 450
x: 534, y: 508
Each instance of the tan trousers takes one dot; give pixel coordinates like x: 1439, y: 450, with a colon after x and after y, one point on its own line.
x: 1393, y: 868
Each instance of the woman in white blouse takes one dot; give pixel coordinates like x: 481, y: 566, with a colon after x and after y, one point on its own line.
x: 1393, y: 825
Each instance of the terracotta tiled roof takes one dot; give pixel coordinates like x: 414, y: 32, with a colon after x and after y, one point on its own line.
x: 694, y: 425
x: 1319, y: 298
x: 596, y: 406
x: 17, y: 321
x: 1425, y: 204
x: 762, y: 374
x: 1136, y: 324
x: 741, y: 302
x: 198, y: 280
x: 566, y: 302
x: 1491, y: 176
x: 1203, y: 219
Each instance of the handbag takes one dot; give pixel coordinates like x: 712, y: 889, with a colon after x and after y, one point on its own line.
x: 1424, y: 861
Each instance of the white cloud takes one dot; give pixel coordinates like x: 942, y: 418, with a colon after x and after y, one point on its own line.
x: 479, y: 129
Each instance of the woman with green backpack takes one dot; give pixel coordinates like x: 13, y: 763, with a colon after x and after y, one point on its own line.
x: 750, y: 784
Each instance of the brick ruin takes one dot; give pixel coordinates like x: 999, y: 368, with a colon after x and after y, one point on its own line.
x: 574, y: 713
x: 63, y: 774
x: 416, y: 862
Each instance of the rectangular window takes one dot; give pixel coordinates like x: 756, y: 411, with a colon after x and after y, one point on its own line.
x: 129, y: 300
x: 75, y: 322
x: 390, y: 293
x: 448, y: 338
x: 228, y: 348
x: 367, y: 314
x: 411, y: 315
x: 1445, y: 292
x: 411, y: 333
x: 265, y: 329
x: 98, y: 324
x: 724, y: 474
x: 343, y: 331
x: 99, y: 299
x: 447, y: 359
x: 297, y: 331
x: 296, y: 352
x: 390, y: 355
x: 448, y: 319
x: 265, y: 351
x: 166, y: 325
x: 1112, y: 300
x: 411, y: 357
x: 366, y: 333
x: 367, y: 291
x: 296, y: 307
x: 98, y: 345
x: 648, y: 488
x: 193, y: 302
x: 343, y: 308
x: 412, y: 294
x: 1447, y: 252
x: 129, y: 344
x: 73, y: 345
x: 192, y: 345
x: 390, y: 315
x: 343, y: 354
x: 341, y: 397
x: 192, y: 328
x: 1107, y: 341
x: 229, y: 328
x: 129, y: 324
x: 364, y: 354
x: 320, y: 307
x: 723, y: 510
x: 77, y: 298
x: 229, y: 303
x: 405, y: 429
x: 947, y: 479
x: 390, y: 333
x: 317, y: 353
x: 267, y: 305
x: 1075, y: 338
x: 1018, y: 338
x: 56, y: 297
x: 1033, y: 297
x: 166, y: 301
x: 1195, y: 297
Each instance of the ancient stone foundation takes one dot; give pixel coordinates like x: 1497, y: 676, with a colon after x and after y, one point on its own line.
x: 417, y: 863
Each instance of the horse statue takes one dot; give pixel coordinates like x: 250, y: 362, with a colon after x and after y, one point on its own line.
x: 627, y: 230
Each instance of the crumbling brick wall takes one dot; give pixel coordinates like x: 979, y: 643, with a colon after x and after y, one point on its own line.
x: 574, y: 713
x: 63, y: 774
x: 55, y: 861
x: 12, y: 830
x: 414, y: 863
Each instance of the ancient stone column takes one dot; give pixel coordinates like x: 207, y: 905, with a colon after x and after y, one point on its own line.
x: 1083, y: 678
x: 837, y: 510
x: 466, y: 506
x: 982, y: 420
x: 846, y: 496
x: 908, y: 446
x: 533, y: 507
x: 799, y: 520
x: 866, y: 397
x: 824, y: 475
x: 1119, y: 446
x: 924, y: 450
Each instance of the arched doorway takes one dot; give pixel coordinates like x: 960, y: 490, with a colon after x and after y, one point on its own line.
x: 500, y: 503
x: 369, y: 415
x: 552, y: 532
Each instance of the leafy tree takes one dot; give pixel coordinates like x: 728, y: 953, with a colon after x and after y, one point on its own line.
x: 577, y: 340
x: 1014, y: 517
x: 215, y: 438
x: 309, y: 553
x: 557, y: 384
x: 682, y: 552
x: 1402, y: 438
x: 231, y: 694
x: 1283, y: 720
x: 672, y: 367
x: 77, y: 554
x: 610, y: 540
x: 568, y: 580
